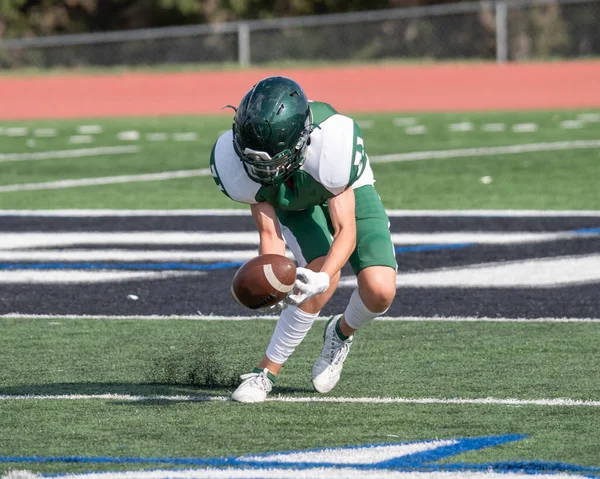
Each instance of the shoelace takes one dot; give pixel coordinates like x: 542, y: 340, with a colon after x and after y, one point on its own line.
x: 257, y: 379
x: 340, y: 353
x: 339, y: 349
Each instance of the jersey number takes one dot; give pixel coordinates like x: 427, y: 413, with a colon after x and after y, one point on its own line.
x: 360, y: 151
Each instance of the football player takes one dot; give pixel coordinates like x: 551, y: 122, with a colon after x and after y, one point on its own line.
x: 303, y: 169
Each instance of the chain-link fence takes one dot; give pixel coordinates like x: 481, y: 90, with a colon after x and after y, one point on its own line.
x: 502, y: 30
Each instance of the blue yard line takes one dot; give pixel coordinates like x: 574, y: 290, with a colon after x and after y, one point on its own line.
x: 420, y: 461
x: 189, y: 266
x: 431, y: 247
x: 587, y: 231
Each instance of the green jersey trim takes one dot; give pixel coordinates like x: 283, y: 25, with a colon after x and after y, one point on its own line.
x: 321, y: 111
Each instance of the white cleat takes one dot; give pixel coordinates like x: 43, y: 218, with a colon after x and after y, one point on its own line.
x: 328, y: 366
x: 254, y: 388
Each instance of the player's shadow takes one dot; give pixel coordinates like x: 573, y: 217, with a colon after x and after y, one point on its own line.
x: 136, y: 394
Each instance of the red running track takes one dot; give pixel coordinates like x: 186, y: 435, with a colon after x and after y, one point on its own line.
x: 366, y: 88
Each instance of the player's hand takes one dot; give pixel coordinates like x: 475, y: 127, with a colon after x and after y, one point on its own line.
x: 308, y: 284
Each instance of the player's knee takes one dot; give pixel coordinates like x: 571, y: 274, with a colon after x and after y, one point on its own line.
x: 378, y: 293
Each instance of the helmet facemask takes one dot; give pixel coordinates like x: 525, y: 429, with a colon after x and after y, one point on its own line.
x: 271, y: 130
x: 273, y: 170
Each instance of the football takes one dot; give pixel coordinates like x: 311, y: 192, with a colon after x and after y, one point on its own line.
x: 263, y: 281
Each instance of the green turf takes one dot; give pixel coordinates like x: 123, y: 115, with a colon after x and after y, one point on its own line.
x: 408, y: 359
x: 554, y: 179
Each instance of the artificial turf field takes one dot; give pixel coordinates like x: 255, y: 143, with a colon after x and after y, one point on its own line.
x: 557, y: 179
x: 426, y: 362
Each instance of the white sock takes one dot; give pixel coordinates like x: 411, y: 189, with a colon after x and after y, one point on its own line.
x: 292, y: 327
x: 357, y: 314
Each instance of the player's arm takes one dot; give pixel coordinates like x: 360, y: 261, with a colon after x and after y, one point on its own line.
x: 267, y: 225
x: 343, y: 219
x: 309, y: 283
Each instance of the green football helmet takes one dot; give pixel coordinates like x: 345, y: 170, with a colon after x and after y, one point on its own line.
x: 271, y: 130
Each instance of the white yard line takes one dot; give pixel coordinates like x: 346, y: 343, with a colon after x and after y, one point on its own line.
x: 187, y: 136
x: 525, y: 127
x: 12, y: 241
x: 107, y: 180
x: 89, y: 129
x: 45, y: 132
x: 415, y: 130
x: 494, y: 213
x: 413, y: 156
x: 487, y: 151
x: 65, y: 154
x: 270, y: 472
x: 72, y: 213
x: 529, y: 273
x: 130, y: 135
x: 80, y: 139
x: 54, y: 239
x: 126, y: 213
x: 199, y: 317
x: 320, y: 399
x: 78, y: 277
x: 88, y: 255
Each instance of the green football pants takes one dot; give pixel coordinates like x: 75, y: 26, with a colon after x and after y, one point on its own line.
x: 309, y: 233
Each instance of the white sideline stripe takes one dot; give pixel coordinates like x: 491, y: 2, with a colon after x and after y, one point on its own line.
x: 589, y: 117
x: 493, y: 127
x: 158, y: 136
x: 524, y: 127
x: 188, y: 136
x: 415, y: 130
x: 461, y: 127
x: 88, y: 255
x: 76, y: 213
x: 107, y: 180
x: 400, y: 122
x: 572, y: 124
x: 31, y: 240
x: 320, y: 399
x: 78, y: 153
x: 130, y: 135
x: 366, y: 124
x: 80, y: 139
x: 292, y: 473
x: 89, y: 129
x: 533, y: 273
x: 414, y: 156
x: 273, y: 281
x: 77, y: 277
x: 371, y: 454
x: 199, y: 317
x: 486, y: 151
x: 45, y: 132
x: 478, y: 237
x: 493, y: 213
x: 16, y: 131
